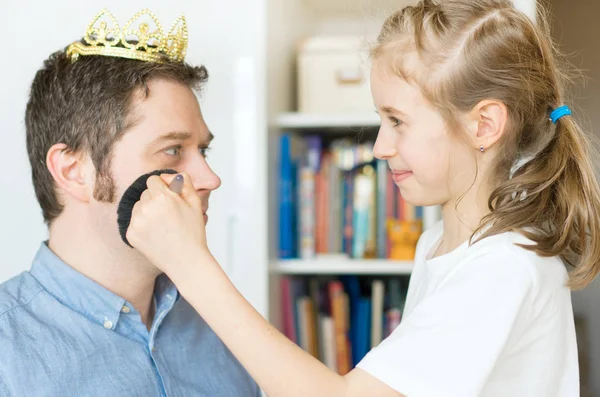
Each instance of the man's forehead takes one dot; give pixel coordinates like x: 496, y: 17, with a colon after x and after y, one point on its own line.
x: 169, y: 113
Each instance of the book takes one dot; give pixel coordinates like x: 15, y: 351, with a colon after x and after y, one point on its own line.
x: 377, y: 315
x: 307, y: 222
x: 286, y: 201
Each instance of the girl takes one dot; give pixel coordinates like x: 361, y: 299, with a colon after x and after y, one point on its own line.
x: 470, y: 97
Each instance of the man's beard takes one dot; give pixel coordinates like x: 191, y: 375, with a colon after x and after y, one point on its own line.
x: 104, y: 188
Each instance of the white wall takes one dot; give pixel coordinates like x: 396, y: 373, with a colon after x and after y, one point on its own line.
x: 228, y: 37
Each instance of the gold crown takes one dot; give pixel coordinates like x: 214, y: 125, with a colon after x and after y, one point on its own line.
x: 145, y: 43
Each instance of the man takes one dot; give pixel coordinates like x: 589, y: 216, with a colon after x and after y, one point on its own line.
x: 93, y: 317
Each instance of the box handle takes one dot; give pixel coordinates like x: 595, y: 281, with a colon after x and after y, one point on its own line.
x: 349, y: 76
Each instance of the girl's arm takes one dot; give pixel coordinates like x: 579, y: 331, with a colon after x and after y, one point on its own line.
x: 169, y: 230
x: 279, y: 366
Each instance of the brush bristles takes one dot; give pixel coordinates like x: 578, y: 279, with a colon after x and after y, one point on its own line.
x: 130, y: 197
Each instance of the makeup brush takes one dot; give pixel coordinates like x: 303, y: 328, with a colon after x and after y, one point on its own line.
x: 133, y: 194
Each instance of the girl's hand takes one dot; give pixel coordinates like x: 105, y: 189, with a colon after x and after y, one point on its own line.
x: 169, y: 229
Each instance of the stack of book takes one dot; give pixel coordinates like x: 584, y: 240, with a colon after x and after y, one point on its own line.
x: 334, y: 197
x: 338, y: 320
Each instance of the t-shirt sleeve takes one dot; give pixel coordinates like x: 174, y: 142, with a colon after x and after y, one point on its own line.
x: 449, y: 343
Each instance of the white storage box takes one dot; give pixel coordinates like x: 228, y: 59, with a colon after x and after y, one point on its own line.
x: 333, y: 75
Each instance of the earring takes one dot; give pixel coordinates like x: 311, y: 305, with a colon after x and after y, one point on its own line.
x: 481, y: 148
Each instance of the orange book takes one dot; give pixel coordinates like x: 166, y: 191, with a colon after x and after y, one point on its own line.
x: 340, y: 320
x: 348, y: 353
x: 319, y: 237
x: 311, y: 329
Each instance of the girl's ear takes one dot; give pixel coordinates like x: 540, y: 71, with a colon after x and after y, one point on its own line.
x: 488, y: 118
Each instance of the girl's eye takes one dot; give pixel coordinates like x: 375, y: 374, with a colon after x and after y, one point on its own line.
x: 395, y: 122
x: 174, y: 151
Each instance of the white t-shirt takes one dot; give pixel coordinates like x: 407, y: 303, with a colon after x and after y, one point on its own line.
x: 492, y: 319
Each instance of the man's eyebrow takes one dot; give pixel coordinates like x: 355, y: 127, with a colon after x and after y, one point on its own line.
x: 171, y: 136
x: 177, y: 136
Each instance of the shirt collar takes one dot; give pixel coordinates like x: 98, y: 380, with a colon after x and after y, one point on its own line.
x: 82, y: 294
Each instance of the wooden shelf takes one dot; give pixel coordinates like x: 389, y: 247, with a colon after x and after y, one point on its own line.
x: 309, y: 121
x: 339, y: 264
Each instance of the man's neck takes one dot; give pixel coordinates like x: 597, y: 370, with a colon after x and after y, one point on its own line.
x: 121, y: 270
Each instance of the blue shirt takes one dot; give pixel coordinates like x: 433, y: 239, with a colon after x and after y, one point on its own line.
x: 62, y: 334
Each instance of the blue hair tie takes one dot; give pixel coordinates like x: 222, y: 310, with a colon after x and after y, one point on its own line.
x: 559, y: 112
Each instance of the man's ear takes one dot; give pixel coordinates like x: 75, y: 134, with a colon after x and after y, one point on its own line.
x: 68, y: 170
x: 488, y: 118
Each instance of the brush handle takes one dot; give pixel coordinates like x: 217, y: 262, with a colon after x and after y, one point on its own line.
x: 176, y: 184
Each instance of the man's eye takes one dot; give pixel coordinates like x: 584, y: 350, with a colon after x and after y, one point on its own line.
x: 174, y: 151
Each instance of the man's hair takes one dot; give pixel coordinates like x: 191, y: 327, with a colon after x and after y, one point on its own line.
x: 86, y: 105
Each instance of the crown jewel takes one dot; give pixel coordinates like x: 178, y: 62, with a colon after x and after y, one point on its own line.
x: 141, y: 40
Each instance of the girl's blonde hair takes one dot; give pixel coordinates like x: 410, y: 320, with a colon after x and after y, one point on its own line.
x: 460, y: 52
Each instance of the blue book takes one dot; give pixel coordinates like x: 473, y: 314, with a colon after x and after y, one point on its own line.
x: 419, y: 214
x: 313, y: 152
x: 294, y: 213
x: 364, y: 332
x: 286, y: 199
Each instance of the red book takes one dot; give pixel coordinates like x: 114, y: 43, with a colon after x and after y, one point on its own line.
x: 400, y: 210
x: 287, y: 311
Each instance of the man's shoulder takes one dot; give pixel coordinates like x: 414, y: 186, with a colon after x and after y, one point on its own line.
x: 17, y: 293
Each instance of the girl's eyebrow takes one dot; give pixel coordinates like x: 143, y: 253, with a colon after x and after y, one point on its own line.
x: 392, y: 110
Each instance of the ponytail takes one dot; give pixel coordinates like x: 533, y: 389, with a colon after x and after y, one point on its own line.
x: 557, y: 204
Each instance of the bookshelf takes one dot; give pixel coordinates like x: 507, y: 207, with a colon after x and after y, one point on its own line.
x: 311, y: 298
x: 340, y: 265
x: 304, y: 121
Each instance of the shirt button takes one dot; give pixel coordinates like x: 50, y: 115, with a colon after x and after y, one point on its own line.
x: 125, y: 309
x: 108, y: 324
